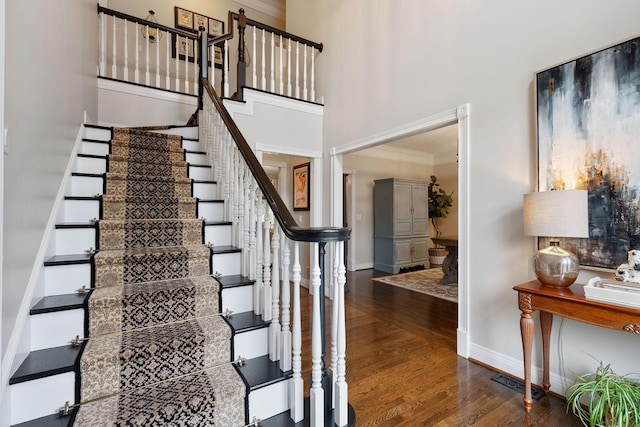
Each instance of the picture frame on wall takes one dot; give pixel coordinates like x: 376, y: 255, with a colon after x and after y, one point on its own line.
x: 200, y: 21
x: 301, y: 187
x: 588, y: 137
x: 184, y: 18
x: 216, y: 27
x: 218, y: 58
x: 183, y: 48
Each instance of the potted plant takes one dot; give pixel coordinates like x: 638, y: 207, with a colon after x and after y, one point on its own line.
x: 609, y: 399
x: 439, y: 203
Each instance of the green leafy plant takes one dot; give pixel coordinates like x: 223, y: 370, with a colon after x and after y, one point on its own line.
x: 439, y: 203
x: 609, y: 399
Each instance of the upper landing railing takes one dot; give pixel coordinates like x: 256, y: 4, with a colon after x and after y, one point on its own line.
x: 251, y: 54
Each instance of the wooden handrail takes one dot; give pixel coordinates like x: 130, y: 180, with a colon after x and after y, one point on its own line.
x: 280, y: 210
x: 132, y: 18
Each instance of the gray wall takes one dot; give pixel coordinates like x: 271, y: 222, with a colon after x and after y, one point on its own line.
x: 374, y: 76
x: 50, y: 68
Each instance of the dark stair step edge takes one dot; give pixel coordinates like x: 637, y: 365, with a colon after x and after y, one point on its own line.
x: 55, y: 303
x: 224, y: 249
x: 47, y: 362
x: 284, y: 419
x: 87, y: 125
x: 195, y: 152
x: 54, y: 420
x: 261, y: 372
x: 97, y: 141
x: 218, y: 223
x: 93, y: 156
x: 68, y: 259
x: 72, y: 225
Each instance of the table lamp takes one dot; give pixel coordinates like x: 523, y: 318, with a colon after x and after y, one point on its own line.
x: 554, y: 214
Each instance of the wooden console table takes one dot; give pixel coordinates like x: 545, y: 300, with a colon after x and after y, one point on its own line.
x: 566, y: 302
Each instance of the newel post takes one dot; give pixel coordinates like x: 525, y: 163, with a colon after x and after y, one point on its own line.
x: 242, y: 69
x: 204, y: 61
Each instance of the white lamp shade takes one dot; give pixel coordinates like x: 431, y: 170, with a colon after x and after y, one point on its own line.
x: 557, y: 213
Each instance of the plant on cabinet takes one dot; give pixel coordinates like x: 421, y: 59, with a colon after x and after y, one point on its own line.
x: 439, y: 203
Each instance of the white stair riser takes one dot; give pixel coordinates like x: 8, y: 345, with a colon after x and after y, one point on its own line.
x: 219, y: 235
x: 200, y: 173
x: 185, y: 132
x: 86, y: 186
x: 70, y: 241
x: 56, y: 329
x: 91, y: 165
x: 238, y: 299
x: 66, y: 279
x: 81, y: 210
x: 95, y: 148
x: 251, y: 344
x: 196, y: 158
x: 41, y: 397
x: 203, y: 190
x: 191, y: 145
x: 212, y: 211
x: 226, y: 264
x: 99, y: 134
x: 268, y: 401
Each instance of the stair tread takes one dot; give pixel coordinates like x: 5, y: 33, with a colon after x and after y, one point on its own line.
x: 234, y: 280
x: 53, y: 303
x: 46, y: 362
x: 210, y: 200
x: 99, y: 141
x: 53, y: 420
x: 284, y: 419
x: 93, y: 156
x: 88, y: 175
x: 68, y: 259
x: 218, y: 223
x: 261, y: 371
x: 247, y: 321
x: 225, y: 249
x: 87, y: 224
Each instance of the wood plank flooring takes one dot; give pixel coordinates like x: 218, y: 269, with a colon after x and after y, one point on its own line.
x: 402, y: 367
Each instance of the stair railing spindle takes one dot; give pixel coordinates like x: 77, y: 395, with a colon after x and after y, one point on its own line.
x: 264, y: 72
x: 313, y: 75
x: 186, y: 64
x: 254, y: 64
x: 167, y: 83
x: 103, y: 45
x: 285, y: 336
x: 226, y: 74
x: 280, y: 79
x: 177, y: 88
x: 114, y: 70
x: 274, y: 328
x: 158, y: 59
x: 333, y: 371
x: 298, y: 69
x: 126, y: 52
x: 267, y: 314
x: 341, y: 414
x: 272, y: 77
x: 241, y: 217
x: 246, y: 245
x: 252, y: 230
x: 258, y: 287
x: 296, y: 394
x: 147, y: 76
x: 304, y: 75
x: 316, y: 393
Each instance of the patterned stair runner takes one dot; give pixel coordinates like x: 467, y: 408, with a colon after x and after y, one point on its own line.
x: 158, y: 351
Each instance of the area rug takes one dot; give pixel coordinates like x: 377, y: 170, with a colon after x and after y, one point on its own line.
x: 423, y: 281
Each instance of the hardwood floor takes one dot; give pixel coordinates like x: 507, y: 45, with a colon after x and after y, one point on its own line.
x: 402, y: 367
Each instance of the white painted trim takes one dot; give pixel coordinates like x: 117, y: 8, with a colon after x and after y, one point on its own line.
x: 351, y: 260
x: 403, y: 131
x: 297, y: 152
x: 398, y: 154
x: 131, y: 89
x: 458, y: 115
x: 25, y: 305
x: 253, y: 96
x: 4, y: 379
x: 364, y: 266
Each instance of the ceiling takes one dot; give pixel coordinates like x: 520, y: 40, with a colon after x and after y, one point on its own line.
x: 438, y: 141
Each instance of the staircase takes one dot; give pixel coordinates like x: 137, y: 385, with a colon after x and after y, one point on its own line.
x: 63, y: 368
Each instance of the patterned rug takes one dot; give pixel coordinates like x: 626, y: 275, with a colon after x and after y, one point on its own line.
x: 423, y: 281
x: 158, y: 352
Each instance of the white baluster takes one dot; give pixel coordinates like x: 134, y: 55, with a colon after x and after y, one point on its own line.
x: 296, y: 395
x: 304, y: 78
x: 126, y: 52
x: 167, y: 83
x: 259, y: 284
x: 334, y: 324
x: 313, y: 75
x: 177, y: 88
x: 316, y: 393
x: 114, y: 70
x: 226, y: 64
x: 272, y: 79
x: 246, y: 246
x: 147, y: 76
x: 196, y: 71
x: 297, y: 70
x: 252, y: 231
x: 264, y: 72
x: 274, y: 328
x: 157, y: 58
x: 266, y: 277
x: 289, y: 69
x: 186, y: 64
x: 103, y: 45
x: 240, y: 213
x: 281, y: 82
x: 285, y: 337
x: 341, y: 415
x: 254, y: 65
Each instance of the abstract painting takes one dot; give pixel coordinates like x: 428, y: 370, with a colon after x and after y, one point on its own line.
x: 588, y: 129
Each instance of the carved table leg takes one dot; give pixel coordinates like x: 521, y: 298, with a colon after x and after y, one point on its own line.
x: 526, y: 331
x: 546, y: 319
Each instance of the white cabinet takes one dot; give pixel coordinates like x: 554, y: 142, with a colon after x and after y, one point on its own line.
x: 400, y: 224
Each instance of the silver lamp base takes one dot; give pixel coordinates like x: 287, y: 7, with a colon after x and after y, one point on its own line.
x: 555, y: 266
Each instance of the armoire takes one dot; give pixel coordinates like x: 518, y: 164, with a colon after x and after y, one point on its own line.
x: 401, y: 219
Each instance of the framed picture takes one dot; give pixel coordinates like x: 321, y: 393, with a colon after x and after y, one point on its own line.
x: 200, y: 21
x: 182, y: 48
x: 217, y: 56
x: 184, y: 18
x: 301, y: 186
x: 588, y: 134
x: 216, y: 28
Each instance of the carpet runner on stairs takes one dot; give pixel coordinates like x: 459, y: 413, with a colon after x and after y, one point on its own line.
x: 158, y: 352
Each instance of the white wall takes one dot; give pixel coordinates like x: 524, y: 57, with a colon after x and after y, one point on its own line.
x: 374, y: 76
x: 50, y: 67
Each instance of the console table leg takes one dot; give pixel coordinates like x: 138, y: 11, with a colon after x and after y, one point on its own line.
x: 546, y: 320
x: 526, y: 330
